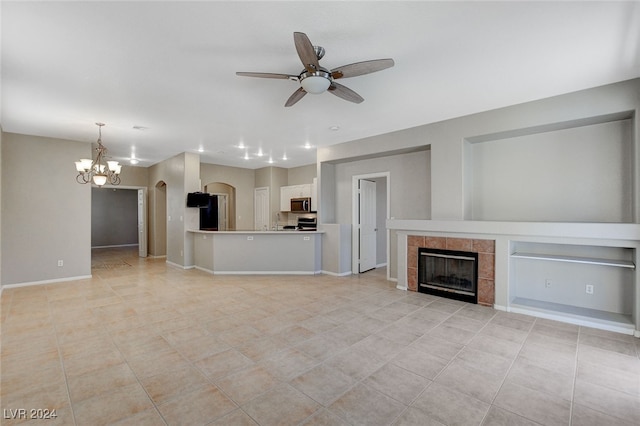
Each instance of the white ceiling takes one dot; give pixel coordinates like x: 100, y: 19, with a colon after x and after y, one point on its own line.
x: 170, y: 68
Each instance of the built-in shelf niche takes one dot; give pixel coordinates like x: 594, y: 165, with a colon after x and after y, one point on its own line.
x: 548, y: 279
x: 574, y: 171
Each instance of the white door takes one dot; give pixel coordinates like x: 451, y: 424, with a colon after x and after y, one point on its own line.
x: 367, y: 222
x: 142, y: 223
x: 223, y: 212
x: 261, y: 208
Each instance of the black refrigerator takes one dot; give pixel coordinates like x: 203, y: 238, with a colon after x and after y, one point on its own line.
x: 209, y: 215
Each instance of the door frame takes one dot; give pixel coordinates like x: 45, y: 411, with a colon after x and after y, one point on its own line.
x: 355, y: 206
x: 255, y: 205
x: 145, y: 216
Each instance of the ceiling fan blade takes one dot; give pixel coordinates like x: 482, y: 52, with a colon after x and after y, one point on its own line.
x: 361, y: 68
x: 345, y: 93
x: 306, y: 52
x: 297, y: 95
x: 267, y: 75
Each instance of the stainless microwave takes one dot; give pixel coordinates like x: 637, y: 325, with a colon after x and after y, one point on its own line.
x: 301, y: 205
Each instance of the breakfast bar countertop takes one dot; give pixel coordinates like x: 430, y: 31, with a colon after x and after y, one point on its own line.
x: 289, y: 252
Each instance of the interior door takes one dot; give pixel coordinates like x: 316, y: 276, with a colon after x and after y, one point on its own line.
x: 142, y: 223
x: 367, y: 225
x: 261, y: 208
x: 223, y: 212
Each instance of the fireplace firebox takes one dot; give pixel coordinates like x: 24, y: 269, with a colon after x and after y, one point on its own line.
x: 448, y: 273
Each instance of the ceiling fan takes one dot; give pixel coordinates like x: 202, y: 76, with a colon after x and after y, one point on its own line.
x: 316, y: 79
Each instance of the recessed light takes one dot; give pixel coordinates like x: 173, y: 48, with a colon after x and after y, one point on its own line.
x: 334, y: 128
x: 270, y: 160
x: 133, y: 161
x: 284, y: 157
x: 241, y: 145
x: 307, y: 145
x: 140, y: 128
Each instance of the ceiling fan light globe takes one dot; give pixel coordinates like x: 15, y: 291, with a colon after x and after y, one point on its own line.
x: 315, y: 84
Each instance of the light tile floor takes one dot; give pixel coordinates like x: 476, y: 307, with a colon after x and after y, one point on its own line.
x: 142, y: 343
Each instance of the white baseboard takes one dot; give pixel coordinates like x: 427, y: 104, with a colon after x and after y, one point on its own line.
x: 336, y: 274
x: 115, y: 246
x: 43, y: 282
x: 264, y: 273
x: 175, y: 265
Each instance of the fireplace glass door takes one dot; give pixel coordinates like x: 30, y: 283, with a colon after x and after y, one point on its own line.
x: 448, y: 273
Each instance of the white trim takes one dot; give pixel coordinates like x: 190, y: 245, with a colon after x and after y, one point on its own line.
x: 115, y: 246
x: 145, y: 216
x: 175, y: 265
x: 582, y: 321
x: 337, y: 274
x: 200, y: 268
x: 355, y: 243
x: 399, y: 287
x: 265, y: 273
x: 43, y: 282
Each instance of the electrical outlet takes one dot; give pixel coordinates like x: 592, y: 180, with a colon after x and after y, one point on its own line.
x: 589, y: 289
x: 547, y: 283
x: 60, y: 263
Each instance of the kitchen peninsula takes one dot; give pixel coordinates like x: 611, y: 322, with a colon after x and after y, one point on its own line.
x: 258, y: 252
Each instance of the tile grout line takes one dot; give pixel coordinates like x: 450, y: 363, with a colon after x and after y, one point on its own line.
x: 515, y: 358
x: 61, y: 359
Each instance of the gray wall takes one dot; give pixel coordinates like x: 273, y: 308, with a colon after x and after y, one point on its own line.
x: 301, y: 175
x: 579, y: 174
x: 272, y: 178
x: 241, y: 179
x: 410, y: 186
x: 45, y: 213
x: 450, y: 183
x: 114, y: 217
x: 181, y: 175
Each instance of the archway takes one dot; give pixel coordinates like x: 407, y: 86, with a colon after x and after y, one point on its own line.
x: 229, y: 193
x: 158, y: 221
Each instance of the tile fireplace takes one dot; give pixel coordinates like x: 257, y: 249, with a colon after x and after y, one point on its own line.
x: 481, y: 250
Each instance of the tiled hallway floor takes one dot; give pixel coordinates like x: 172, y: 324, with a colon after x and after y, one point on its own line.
x: 142, y: 343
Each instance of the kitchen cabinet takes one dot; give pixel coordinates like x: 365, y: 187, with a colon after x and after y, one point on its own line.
x: 293, y: 191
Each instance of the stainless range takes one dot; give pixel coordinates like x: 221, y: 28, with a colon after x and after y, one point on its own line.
x: 307, y: 224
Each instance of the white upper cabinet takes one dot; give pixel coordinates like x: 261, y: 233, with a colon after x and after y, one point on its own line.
x: 293, y: 191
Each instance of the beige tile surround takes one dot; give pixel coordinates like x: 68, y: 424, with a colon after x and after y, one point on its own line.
x: 142, y: 343
x: 486, y: 261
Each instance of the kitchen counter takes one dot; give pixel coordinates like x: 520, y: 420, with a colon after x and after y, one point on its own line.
x: 258, y: 252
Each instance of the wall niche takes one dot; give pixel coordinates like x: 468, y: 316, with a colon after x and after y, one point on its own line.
x: 579, y: 171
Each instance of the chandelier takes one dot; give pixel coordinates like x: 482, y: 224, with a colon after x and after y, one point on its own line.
x: 96, y: 170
